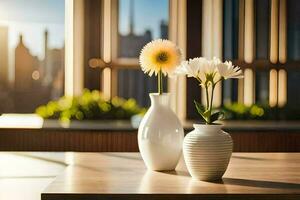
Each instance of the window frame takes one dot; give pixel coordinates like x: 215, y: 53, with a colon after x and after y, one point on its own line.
x: 74, y: 47
x: 177, y: 34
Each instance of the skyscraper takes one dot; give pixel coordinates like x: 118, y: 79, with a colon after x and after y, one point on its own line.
x: 3, y: 55
x: 131, y: 44
x: 25, y: 64
x: 37, y: 81
x: 164, y: 32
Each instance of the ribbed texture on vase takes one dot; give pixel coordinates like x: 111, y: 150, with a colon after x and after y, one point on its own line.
x: 207, y: 155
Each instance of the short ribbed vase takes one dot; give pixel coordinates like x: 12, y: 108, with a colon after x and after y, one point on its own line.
x: 207, y: 151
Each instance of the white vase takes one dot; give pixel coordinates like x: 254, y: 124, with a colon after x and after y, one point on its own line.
x: 160, y: 135
x: 207, y: 151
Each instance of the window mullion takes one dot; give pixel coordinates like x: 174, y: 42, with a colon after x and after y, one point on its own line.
x: 74, y: 55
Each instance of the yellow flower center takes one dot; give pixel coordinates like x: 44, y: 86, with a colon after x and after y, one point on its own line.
x: 162, y: 57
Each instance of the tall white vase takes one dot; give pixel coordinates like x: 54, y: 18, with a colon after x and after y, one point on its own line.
x: 160, y: 135
x: 207, y: 151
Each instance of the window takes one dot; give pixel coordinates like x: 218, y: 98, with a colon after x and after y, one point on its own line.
x: 32, y: 49
x: 293, y: 52
x: 139, y: 22
x: 31, y: 53
x: 126, y: 26
x: 262, y: 37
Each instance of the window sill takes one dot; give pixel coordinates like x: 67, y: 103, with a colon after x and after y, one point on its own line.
x: 32, y: 121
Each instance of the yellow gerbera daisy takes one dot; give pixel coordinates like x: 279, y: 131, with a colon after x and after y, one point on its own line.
x: 160, y: 56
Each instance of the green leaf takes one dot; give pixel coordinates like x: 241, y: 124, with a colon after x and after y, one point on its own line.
x: 206, y: 114
x: 216, y: 116
x: 201, y: 110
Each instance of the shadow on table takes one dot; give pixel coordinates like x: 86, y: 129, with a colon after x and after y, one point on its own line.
x: 248, y: 158
x: 243, y: 182
x: 177, y: 173
x: 257, y: 183
x: 130, y: 157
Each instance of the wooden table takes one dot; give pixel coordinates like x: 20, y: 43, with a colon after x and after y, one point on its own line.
x: 24, y: 175
x: 123, y: 176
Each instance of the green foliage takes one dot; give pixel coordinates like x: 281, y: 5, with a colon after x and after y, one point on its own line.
x: 209, y: 116
x: 218, y: 115
x: 237, y: 111
x: 241, y: 111
x: 90, y: 105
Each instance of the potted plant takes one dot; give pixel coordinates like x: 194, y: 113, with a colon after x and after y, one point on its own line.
x: 207, y: 149
x: 160, y: 134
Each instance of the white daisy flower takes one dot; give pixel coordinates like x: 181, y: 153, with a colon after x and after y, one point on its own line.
x: 228, y: 70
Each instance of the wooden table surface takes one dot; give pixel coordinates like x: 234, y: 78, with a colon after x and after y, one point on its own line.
x: 124, y: 176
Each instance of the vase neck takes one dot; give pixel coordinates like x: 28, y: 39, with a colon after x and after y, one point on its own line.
x: 207, y: 128
x: 160, y: 99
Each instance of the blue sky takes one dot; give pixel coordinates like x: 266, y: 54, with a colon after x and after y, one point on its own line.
x: 41, y: 11
x: 147, y: 15
x: 31, y: 18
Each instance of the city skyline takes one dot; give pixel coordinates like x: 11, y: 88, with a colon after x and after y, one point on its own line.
x: 36, y: 81
x: 134, y: 83
x: 31, y: 18
x: 147, y: 16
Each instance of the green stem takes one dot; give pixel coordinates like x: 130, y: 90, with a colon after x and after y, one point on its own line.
x: 211, y: 101
x: 207, y: 97
x: 221, y: 79
x: 212, y: 96
x: 160, y: 82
